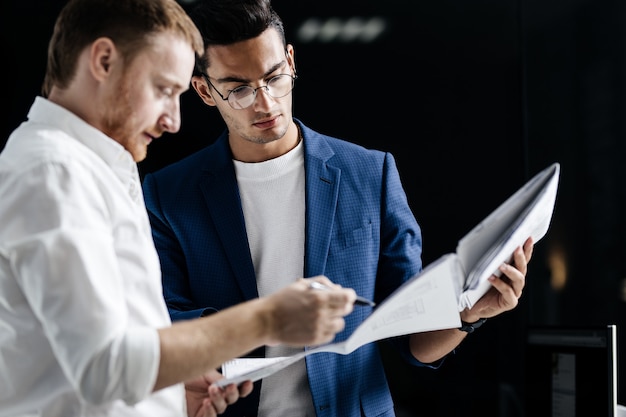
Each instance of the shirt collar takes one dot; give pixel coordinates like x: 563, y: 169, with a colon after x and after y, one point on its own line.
x: 113, y: 154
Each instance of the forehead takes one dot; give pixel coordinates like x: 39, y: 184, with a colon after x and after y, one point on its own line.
x: 247, y: 59
x: 168, y: 55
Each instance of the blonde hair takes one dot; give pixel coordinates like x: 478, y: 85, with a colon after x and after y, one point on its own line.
x: 128, y: 23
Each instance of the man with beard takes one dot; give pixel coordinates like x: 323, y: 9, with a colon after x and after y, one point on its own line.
x: 84, y: 330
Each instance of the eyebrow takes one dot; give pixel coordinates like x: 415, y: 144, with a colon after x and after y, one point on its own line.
x: 171, y: 82
x: 243, y: 80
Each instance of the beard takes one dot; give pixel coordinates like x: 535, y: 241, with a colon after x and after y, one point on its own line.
x: 119, y: 120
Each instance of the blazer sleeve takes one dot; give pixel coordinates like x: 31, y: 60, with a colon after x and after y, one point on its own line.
x: 401, y: 246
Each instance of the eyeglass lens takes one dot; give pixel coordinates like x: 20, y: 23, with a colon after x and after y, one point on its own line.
x: 277, y: 87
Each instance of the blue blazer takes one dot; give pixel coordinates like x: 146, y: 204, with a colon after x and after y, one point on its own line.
x: 360, y: 233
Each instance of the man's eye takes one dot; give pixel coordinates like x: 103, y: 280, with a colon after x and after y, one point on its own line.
x: 241, y: 91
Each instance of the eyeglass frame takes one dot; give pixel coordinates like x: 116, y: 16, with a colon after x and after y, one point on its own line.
x: 254, y: 90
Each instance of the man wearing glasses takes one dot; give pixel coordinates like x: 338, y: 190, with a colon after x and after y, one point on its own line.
x: 272, y: 200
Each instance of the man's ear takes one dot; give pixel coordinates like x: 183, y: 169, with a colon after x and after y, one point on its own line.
x: 102, y: 55
x: 291, y: 57
x: 201, y: 86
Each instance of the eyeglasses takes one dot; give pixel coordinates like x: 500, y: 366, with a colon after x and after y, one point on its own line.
x: 243, y: 96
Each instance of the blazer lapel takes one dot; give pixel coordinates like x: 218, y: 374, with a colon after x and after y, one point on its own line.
x: 221, y: 194
x: 322, y: 191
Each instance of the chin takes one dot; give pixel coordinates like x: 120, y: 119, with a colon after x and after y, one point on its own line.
x: 139, y: 154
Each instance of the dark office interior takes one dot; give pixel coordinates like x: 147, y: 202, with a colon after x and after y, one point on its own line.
x: 473, y: 99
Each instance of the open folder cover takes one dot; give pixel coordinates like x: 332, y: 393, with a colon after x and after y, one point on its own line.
x: 432, y: 299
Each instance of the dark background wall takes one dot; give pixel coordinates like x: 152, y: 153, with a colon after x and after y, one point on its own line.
x: 473, y: 98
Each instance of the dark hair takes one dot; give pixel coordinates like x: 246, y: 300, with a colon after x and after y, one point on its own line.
x: 128, y: 23
x: 224, y: 22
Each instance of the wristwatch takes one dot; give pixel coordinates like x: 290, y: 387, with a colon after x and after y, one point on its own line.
x: 470, y: 327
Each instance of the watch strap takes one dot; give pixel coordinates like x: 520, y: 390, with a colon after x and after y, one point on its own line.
x: 470, y: 327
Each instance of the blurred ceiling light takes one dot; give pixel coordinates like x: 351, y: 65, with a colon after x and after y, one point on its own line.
x: 330, y: 30
x: 334, y: 29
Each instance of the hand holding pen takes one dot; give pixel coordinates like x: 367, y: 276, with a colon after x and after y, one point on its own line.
x: 361, y: 301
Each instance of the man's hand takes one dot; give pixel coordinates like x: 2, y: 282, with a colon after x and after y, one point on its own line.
x: 207, y: 400
x: 301, y: 315
x: 506, y: 290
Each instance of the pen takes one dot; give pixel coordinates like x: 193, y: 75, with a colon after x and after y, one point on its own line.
x: 361, y: 301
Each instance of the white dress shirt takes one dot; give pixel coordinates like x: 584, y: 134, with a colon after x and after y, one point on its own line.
x: 80, y: 281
